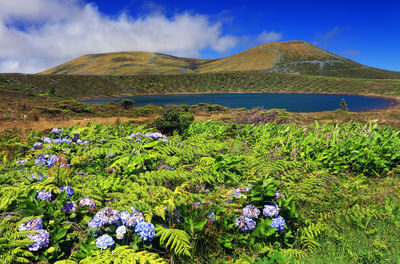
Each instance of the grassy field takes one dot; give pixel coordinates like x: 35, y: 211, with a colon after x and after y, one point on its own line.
x: 336, y: 186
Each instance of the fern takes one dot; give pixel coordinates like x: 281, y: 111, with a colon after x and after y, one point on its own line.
x: 123, y: 255
x: 177, y: 240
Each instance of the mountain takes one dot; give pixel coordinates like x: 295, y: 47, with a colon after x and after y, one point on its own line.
x: 281, y: 57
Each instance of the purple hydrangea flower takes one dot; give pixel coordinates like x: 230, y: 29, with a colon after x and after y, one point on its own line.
x: 68, y: 190
x: 104, y: 242
x: 38, y: 145
x: 271, y: 210
x: 87, y: 202
x: 43, y: 195
x: 33, y: 224
x: 145, y: 231
x: 245, y: 223
x: 121, y: 231
x: 70, y: 207
x: 40, y: 239
x: 278, y: 223
x: 251, y: 211
x: 66, y: 140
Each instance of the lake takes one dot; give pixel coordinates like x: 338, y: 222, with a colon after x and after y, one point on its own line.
x: 289, y: 101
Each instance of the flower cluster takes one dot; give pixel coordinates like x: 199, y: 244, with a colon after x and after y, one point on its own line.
x: 245, y: 223
x: 37, y: 145
x: 43, y: 195
x: 41, y: 238
x: 152, y: 135
x: 46, y: 160
x: 87, y: 202
x: 271, y: 210
x: 21, y: 162
x: 211, y: 217
x: 68, y: 190
x: 104, y: 242
x: 103, y: 217
x: 237, y: 192
x: 69, y: 207
x: 251, y: 211
x: 122, y: 221
x: 145, y: 230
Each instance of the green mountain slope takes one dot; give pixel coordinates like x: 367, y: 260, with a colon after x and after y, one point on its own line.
x: 280, y: 57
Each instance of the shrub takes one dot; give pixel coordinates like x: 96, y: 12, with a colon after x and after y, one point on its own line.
x: 127, y: 103
x: 173, y: 120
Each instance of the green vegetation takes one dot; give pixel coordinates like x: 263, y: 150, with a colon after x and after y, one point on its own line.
x: 336, y: 186
x: 172, y: 120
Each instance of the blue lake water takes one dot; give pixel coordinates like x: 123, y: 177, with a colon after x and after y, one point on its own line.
x: 290, y: 102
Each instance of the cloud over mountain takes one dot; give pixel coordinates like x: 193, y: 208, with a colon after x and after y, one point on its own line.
x: 37, y: 34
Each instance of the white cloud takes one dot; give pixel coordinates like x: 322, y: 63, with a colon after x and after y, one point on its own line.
x: 266, y: 37
x: 324, y: 39
x: 350, y: 53
x: 38, y: 34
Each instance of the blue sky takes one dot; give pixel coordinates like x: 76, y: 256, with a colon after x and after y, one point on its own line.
x: 49, y: 32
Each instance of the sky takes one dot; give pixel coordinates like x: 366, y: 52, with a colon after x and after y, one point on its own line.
x: 39, y: 34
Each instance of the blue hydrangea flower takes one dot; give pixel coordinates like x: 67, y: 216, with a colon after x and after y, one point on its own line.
x: 76, y: 136
x: 38, y: 145
x: 104, y: 216
x: 33, y: 224
x: 211, y: 217
x: 121, y: 231
x: 278, y: 223
x: 46, y: 140
x: 145, y: 231
x: 170, y: 168
x: 87, y: 202
x: 271, y: 210
x: 245, y: 223
x: 104, y: 242
x: 68, y: 190
x: 21, y: 162
x: 35, y: 177
x: 237, y: 191
x: 70, y: 207
x: 66, y: 140
x: 131, y: 220
x: 40, y: 239
x: 43, y: 195
x: 156, y: 136
x: 56, y: 130
x: 251, y: 211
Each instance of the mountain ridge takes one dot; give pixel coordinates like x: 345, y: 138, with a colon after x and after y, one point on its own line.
x: 294, y: 56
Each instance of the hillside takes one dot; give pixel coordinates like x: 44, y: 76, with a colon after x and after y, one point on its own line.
x: 280, y: 57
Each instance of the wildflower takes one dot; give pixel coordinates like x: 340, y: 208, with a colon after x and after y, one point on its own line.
x: 46, y: 140
x: 56, y: 130
x: 40, y: 239
x: 121, y: 231
x: 245, y: 223
x: 156, y: 136
x: 68, y: 190
x: 70, y: 207
x: 21, y: 162
x: 278, y: 223
x: 33, y: 224
x: 87, y: 202
x: 145, y: 231
x: 211, y: 217
x: 279, y: 194
x: 43, y: 195
x: 104, y: 242
x: 251, y: 211
x: 271, y: 210
x: 38, y: 145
